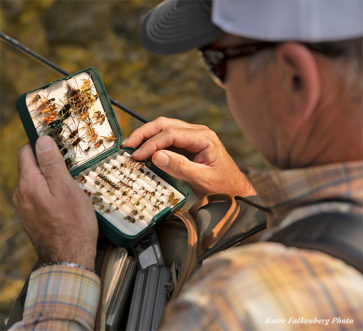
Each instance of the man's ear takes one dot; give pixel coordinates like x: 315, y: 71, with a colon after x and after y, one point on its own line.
x: 303, y: 76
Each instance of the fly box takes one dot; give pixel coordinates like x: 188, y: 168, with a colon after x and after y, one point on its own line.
x: 129, y: 196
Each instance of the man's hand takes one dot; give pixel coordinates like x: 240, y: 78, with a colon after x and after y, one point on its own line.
x: 56, y: 214
x: 208, y: 169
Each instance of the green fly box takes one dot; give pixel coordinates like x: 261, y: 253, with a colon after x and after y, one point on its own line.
x: 129, y: 197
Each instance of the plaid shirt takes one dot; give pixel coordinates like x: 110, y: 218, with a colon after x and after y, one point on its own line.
x: 60, y: 298
x: 268, y: 286
x: 264, y: 286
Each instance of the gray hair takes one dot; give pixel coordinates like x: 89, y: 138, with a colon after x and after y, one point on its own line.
x: 346, y: 58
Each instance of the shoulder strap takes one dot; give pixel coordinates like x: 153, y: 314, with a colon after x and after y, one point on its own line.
x: 192, y: 249
x: 337, y: 234
x: 220, y: 225
x: 195, y: 247
x: 211, y: 238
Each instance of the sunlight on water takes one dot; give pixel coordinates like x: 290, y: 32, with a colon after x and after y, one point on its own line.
x: 104, y: 35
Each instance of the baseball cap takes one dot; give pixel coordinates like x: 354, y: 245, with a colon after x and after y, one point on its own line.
x: 177, y: 26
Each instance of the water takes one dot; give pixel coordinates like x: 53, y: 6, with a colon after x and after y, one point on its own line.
x: 104, y: 35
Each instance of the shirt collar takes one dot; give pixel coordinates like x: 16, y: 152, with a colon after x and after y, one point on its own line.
x: 284, y: 190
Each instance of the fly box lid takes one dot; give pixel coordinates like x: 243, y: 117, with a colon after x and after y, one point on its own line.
x: 129, y: 196
x: 76, y: 112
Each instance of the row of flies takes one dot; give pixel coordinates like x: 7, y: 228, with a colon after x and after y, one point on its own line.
x: 78, y: 106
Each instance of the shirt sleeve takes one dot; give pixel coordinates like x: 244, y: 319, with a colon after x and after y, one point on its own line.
x: 60, y: 298
x: 268, y: 286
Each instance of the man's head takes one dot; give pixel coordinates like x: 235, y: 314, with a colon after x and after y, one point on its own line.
x: 292, y: 70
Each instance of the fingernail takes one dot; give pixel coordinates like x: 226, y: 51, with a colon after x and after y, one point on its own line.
x: 125, y: 142
x: 161, y: 159
x: 45, y: 144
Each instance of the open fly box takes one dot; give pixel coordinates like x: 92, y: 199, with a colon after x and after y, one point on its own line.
x: 129, y: 196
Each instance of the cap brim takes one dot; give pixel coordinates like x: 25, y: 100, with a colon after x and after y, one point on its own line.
x: 177, y: 26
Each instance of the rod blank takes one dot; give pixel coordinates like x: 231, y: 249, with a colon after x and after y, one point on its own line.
x: 15, y: 43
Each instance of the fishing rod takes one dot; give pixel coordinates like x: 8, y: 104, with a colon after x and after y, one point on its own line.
x: 15, y: 43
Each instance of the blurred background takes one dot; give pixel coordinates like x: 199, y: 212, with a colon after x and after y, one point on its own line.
x: 104, y: 35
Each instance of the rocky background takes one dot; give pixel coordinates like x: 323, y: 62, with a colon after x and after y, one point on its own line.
x: 104, y: 35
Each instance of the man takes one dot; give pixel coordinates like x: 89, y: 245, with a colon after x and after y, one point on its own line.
x: 292, y: 72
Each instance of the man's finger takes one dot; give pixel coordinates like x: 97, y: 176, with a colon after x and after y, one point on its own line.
x: 31, y: 181
x: 152, y: 128
x: 27, y: 163
x: 178, y: 166
x: 51, y: 163
x: 192, y: 140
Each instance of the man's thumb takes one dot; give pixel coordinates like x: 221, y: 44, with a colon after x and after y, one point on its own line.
x: 176, y: 165
x: 50, y: 160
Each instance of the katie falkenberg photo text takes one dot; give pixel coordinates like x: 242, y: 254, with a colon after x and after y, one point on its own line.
x: 312, y: 321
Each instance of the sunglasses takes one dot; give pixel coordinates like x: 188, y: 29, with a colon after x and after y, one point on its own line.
x: 216, y: 58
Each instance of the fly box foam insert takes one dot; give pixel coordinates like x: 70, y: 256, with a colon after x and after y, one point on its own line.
x: 127, y: 192
x: 72, y: 114
x: 129, y: 196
